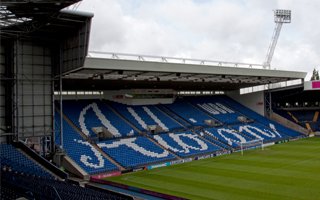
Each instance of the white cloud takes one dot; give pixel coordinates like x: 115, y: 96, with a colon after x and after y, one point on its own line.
x: 233, y: 30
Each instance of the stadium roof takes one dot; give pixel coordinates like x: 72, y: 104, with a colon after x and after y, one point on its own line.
x: 39, y: 18
x: 126, y: 73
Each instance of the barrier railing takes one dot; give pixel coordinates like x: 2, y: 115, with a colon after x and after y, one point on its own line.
x: 166, y: 59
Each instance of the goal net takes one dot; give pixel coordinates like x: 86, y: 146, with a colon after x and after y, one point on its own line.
x: 252, y: 144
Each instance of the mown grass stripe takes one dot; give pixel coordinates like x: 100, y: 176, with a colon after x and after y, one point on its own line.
x: 284, y: 171
x: 244, y: 183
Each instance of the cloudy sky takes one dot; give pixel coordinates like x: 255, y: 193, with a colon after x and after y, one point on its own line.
x: 226, y: 30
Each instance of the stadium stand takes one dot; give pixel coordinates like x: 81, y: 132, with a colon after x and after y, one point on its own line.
x: 188, y: 112
x: 274, y: 126
x: 86, y: 114
x: 184, y: 123
x: 258, y: 131
x: 81, y: 151
x: 16, y: 160
x: 210, y: 137
x: 135, y: 152
x: 139, y: 151
x: 226, y: 135
x: 144, y: 116
x: 217, y: 109
x: 308, y: 119
x: 16, y: 185
x: 185, y: 144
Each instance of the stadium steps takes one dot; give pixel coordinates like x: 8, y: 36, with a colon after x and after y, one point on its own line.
x: 155, y: 118
x: 19, y: 166
x: 211, y: 142
x: 220, y: 143
x: 205, y: 111
x: 293, y: 117
x: 106, y: 103
x: 316, y: 116
x: 162, y: 147
x: 242, y: 134
x: 165, y: 113
x: 40, y: 161
x: 108, y: 157
x: 288, y: 123
x: 308, y: 127
x: 92, y: 143
x: 201, y: 110
x: 174, y: 116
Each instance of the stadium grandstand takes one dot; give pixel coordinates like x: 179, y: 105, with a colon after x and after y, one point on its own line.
x: 70, y: 117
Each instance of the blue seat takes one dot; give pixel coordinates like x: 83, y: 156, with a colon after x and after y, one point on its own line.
x: 17, y: 161
x: 82, y: 152
x: 135, y: 152
x: 147, y: 114
x: 117, y: 126
x: 189, y: 113
x: 185, y: 144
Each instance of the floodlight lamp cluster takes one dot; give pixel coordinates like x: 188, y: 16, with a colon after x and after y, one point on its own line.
x: 282, y: 16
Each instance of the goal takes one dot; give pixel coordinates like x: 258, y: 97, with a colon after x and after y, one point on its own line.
x: 252, y: 144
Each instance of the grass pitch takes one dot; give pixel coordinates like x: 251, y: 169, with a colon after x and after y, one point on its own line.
x: 283, y: 171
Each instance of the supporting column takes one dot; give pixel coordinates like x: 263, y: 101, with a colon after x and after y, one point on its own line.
x: 9, y: 87
x: 268, y: 102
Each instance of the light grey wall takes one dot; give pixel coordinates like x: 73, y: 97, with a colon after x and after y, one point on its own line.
x: 254, y: 101
x: 33, y: 96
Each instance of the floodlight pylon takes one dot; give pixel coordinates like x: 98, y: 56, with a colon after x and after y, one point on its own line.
x: 280, y: 17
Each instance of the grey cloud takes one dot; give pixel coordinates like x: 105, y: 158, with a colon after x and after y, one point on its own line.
x: 218, y: 30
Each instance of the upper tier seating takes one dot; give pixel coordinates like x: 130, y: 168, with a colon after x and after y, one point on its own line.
x: 189, y: 112
x: 86, y: 114
x: 185, y: 144
x: 135, y: 152
x: 217, y: 110
x: 144, y: 116
x: 304, y: 115
x: 81, y: 151
x: 305, y: 118
x: 17, y: 161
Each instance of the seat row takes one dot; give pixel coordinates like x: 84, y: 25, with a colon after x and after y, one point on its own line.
x: 140, y: 149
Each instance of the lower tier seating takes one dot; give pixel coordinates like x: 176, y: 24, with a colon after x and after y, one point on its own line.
x: 185, y: 144
x: 134, y: 152
x: 227, y: 136
x: 259, y: 131
x: 81, y: 151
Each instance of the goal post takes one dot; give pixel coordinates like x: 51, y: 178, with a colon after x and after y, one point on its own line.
x: 252, y: 144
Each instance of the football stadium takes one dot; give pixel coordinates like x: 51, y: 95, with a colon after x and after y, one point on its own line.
x: 81, y: 124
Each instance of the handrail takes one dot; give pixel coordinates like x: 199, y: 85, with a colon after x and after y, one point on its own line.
x: 57, y: 193
x: 167, y: 59
x: 46, y: 164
